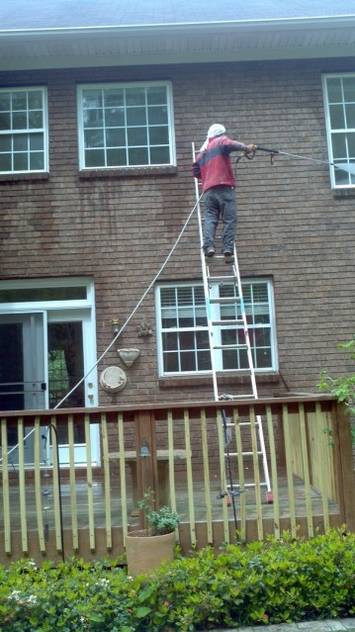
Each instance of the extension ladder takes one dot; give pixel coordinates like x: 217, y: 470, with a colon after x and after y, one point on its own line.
x: 227, y: 281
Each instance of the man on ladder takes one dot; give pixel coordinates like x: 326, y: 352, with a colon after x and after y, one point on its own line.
x: 213, y: 167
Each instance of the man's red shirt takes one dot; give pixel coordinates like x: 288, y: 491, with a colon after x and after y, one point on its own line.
x: 213, y: 165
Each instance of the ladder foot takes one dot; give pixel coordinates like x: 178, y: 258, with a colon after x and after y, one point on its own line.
x: 269, y: 498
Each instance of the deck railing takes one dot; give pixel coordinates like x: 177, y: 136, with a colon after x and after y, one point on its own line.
x: 109, y: 456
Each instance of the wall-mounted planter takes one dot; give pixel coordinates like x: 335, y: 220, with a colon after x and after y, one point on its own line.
x: 128, y: 356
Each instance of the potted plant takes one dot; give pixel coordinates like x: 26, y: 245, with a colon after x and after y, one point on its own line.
x: 147, y: 548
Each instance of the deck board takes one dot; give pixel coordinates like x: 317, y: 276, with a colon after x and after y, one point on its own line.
x: 199, y: 499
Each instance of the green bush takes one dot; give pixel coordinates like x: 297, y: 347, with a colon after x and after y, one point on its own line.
x: 272, y: 582
x: 158, y: 521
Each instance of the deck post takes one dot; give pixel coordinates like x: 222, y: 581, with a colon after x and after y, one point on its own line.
x: 345, y: 472
x: 147, y: 466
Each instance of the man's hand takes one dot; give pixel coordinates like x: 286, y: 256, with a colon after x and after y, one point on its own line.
x: 250, y: 149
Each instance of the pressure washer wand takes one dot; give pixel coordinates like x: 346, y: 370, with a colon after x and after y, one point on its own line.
x: 342, y: 166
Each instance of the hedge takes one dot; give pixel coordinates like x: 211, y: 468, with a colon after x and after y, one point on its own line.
x: 260, y: 583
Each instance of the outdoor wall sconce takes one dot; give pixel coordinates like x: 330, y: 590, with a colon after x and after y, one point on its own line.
x: 115, y: 323
x: 128, y: 356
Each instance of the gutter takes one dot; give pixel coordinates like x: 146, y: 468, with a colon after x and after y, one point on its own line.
x: 324, y: 21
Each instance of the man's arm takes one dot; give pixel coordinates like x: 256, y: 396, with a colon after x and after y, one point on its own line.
x: 196, y: 171
x: 234, y: 145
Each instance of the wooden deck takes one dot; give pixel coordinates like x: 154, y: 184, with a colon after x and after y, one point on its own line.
x: 178, y: 452
x: 181, y: 505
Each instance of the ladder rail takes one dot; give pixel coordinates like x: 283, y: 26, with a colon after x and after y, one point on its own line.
x: 252, y: 368
x: 205, y: 286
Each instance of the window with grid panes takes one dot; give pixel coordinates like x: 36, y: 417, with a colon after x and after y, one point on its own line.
x: 125, y: 125
x: 339, y: 95
x: 183, y: 332
x: 23, y: 133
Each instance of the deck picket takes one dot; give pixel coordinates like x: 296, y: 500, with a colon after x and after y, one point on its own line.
x: 122, y: 461
x: 38, y: 486
x: 306, y: 475
x: 290, y: 486
x: 5, y: 487
x: 254, y: 444
x: 274, y: 475
x: 190, y: 488
x: 89, y: 480
x: 323, y: 443
x: 222, y: 476
x: 242, y: 489
x: 172, y: 491
x: 56, y: 489
x: 22, y: 485
x: 72, y: 483
x: 107, y: 482
x: 206, y: 476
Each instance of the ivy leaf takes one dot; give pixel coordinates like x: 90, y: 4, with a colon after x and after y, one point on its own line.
x: 142, y: 612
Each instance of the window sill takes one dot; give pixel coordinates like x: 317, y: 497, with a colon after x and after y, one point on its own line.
x: 206, y: 380
x: 343, y: 193
x: 125, y: 172
x: 14, y: 177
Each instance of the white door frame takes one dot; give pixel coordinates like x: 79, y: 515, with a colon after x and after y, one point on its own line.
x: 64, y: 310
x: 90, y: 383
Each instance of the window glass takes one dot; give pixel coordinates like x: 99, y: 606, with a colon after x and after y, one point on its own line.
x: 19, y: 295
x: 133, y: 119
x: 340, y: 103
x: 22, y: 130
x: 184, y: 333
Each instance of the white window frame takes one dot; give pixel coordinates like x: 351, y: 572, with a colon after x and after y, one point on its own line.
x: 57, y: 311
x: 215, y: 316
x: 144, y: 84
x: 329, y: 129
x: 43, y: 130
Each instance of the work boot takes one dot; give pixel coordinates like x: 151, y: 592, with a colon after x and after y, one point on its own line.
x: 228, y: 256
x: 210, y: 252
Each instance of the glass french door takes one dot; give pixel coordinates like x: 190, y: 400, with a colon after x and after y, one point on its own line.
x: 22, y: 361
x: 71, y: 354
x: 42, y: 356
x: 23, y: 374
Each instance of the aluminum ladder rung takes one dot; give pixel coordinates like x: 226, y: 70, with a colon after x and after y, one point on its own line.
x: 228, y: 347
x: 224, y: 300
x: 211, y: 259
x: 262, y: 484
x: 241, y: 423
x: 228, y: 396
x: 233, y: 321
x: 221, y: 278
x: 247, y: 453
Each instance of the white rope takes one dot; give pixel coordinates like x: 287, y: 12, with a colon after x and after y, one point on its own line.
x: 123, y: 326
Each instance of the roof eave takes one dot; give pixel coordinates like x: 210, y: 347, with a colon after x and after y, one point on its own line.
x: 177, y: 43
x: 323, y: 21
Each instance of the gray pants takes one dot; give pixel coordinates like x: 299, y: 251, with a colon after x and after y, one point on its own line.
x: 220, y: 204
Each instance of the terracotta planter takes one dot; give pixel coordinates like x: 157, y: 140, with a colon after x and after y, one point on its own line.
x: 146, y: 552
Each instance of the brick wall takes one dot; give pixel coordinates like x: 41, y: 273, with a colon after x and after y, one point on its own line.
x: 119, y: 228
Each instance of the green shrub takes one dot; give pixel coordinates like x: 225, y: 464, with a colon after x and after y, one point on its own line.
x: 343, y: 388
x: 159, y: 521
x: 260, y: 583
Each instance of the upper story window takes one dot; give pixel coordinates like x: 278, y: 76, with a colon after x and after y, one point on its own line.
x: 125, y: 125
x: 339, y: 98
x: 183, y: 344
x: 23, y: 130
